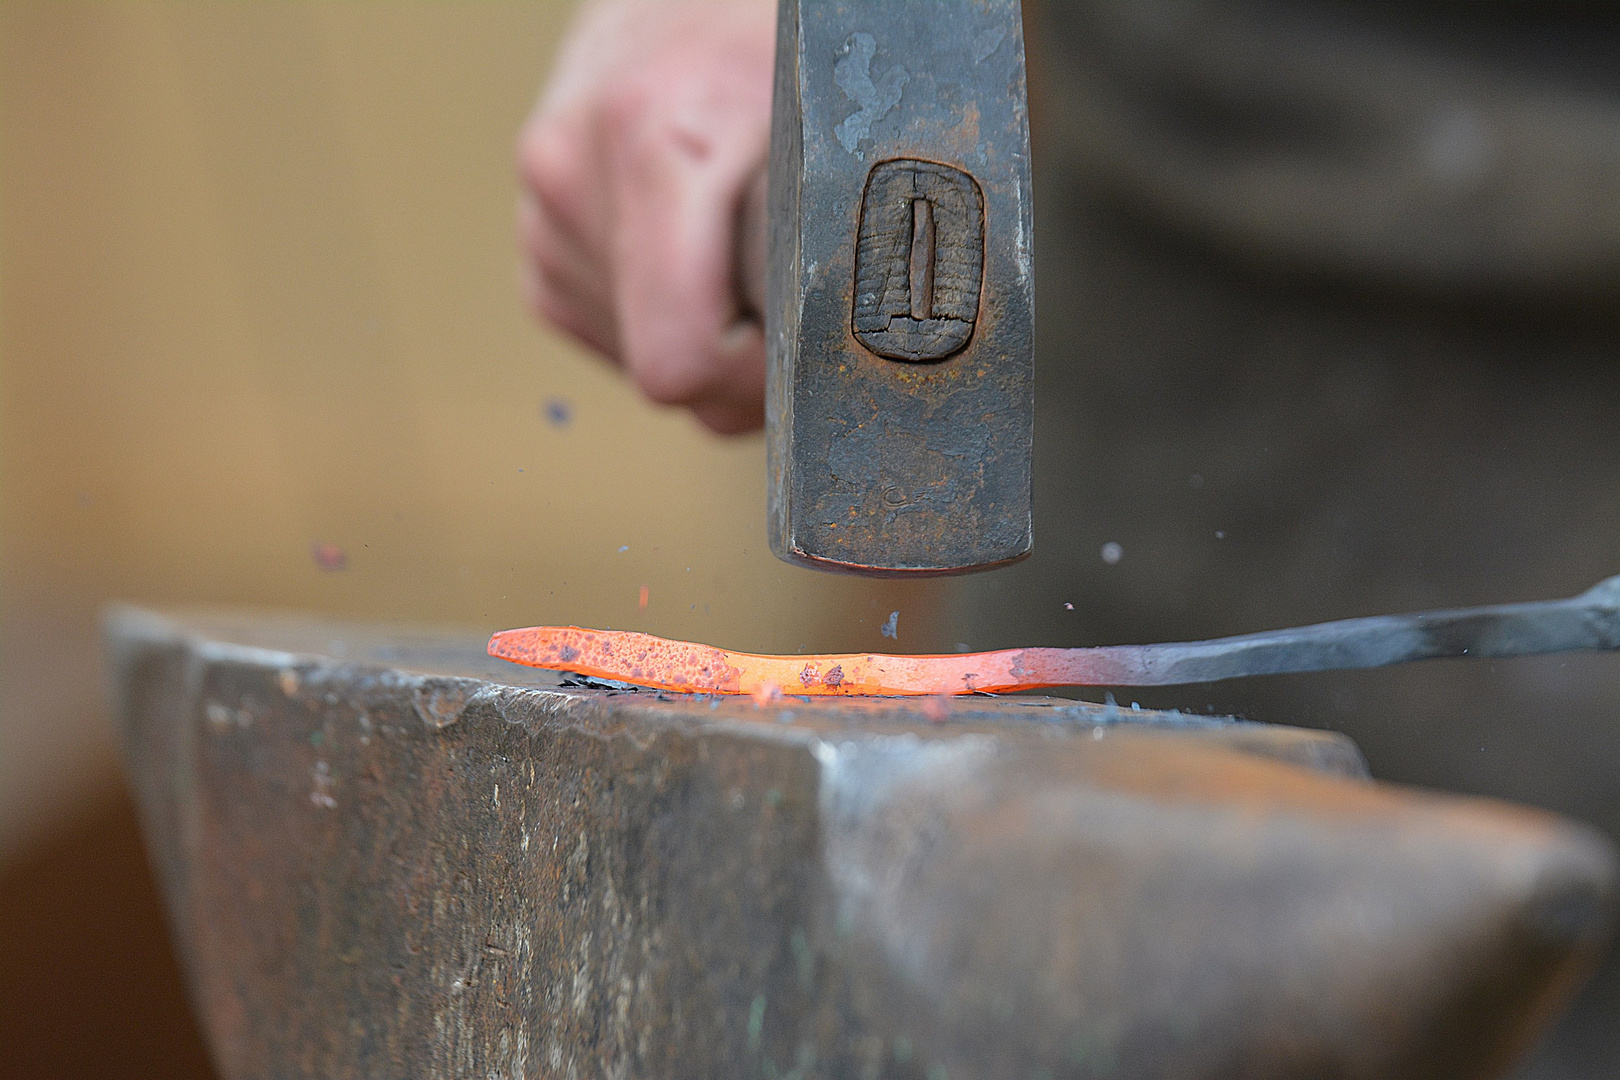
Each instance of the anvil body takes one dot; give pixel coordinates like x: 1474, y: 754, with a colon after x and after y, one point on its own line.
x: 386, y: 854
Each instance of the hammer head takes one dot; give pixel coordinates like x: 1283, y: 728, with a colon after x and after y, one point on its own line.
x: 899, y: 287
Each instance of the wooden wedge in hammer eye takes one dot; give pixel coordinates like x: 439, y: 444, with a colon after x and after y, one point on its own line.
x: 919, y: 261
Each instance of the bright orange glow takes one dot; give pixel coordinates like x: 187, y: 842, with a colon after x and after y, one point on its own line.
x: 691, y: 668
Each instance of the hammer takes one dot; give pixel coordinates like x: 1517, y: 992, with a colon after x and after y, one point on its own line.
x: 896, y: 256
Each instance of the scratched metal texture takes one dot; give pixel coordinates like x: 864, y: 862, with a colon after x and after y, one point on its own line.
x: 385, y: 854
x: 878, y: 465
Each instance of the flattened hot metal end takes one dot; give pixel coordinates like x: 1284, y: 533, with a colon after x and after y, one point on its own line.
x: 899, y: 295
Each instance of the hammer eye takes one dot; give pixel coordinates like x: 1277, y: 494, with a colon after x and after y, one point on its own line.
x: 919, y: 260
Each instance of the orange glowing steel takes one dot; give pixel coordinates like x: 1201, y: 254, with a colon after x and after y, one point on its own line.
x: 1588, y: 621
x: 687, y: 667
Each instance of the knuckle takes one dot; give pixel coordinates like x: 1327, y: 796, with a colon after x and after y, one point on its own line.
x: 550, y: 160
x: 630, y: 106
x: 643, y: 117
x: 671, y: 382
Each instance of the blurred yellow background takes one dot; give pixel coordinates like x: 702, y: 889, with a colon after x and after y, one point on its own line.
x: 258, y: 289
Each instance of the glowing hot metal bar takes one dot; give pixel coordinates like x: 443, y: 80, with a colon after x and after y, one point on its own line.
x: 1588, y: 621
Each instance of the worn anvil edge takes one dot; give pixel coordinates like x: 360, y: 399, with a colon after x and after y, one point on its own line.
x: 446, y: 681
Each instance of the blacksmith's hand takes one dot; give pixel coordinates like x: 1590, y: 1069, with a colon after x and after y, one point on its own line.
x: 633, y: 168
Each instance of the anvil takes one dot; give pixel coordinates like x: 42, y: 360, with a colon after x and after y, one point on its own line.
x: 386, y: 854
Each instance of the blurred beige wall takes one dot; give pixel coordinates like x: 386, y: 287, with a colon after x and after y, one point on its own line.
x: 258, y: 288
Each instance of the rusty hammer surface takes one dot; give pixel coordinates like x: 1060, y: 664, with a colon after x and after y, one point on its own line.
x: 899, y: 292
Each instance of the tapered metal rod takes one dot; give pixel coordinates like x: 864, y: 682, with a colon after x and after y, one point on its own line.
x: 1588, y: 621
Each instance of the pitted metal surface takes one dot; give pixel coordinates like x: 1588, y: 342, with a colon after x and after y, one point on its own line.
x: 387, y: 855
x: 900, y: 292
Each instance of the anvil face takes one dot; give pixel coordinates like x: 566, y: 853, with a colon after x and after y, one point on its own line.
x: 900, y: 290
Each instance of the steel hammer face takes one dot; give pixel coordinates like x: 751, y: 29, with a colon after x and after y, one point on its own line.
x: 900, y: 287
